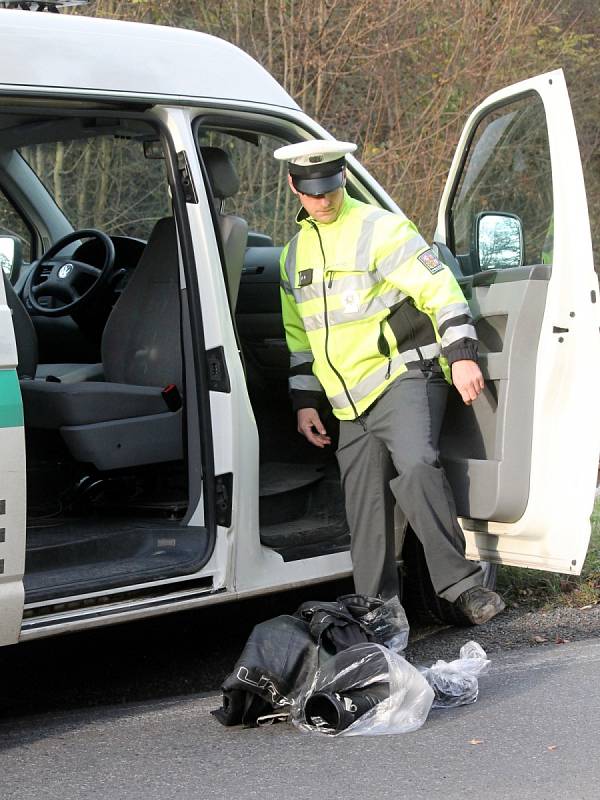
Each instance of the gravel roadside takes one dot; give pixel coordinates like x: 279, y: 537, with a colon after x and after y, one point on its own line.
x: 514, y: 628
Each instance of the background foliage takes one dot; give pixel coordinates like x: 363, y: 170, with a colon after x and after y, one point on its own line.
x: 400, y: 78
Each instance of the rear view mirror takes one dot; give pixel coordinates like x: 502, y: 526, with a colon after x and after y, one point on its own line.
x: 153, y: 149
x: 498, y: 240
x: 11, y: 251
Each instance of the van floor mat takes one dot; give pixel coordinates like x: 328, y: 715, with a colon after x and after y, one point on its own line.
x: 341, y: 544
x: 277, y: 477
x: 81, y: 555
x: 118, y: 534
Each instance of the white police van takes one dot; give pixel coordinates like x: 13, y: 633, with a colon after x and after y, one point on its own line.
x: 149, y: 460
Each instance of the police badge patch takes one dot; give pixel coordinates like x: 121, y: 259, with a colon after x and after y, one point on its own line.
x: 351, y: 302
x: 430, y: 260
x: 305, y: 277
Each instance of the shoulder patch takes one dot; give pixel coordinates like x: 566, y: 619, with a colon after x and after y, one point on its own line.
x: 431, y: 261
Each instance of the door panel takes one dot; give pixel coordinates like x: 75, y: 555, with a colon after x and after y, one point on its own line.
x: 12, y: 483
x: 486, y: 447
x: 523, y: 459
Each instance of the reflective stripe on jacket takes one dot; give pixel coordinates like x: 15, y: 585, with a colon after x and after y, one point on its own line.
x: 362, y: 298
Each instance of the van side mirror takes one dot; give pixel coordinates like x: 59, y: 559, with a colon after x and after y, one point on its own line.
x: 11, y: 256
x: 498, y: 240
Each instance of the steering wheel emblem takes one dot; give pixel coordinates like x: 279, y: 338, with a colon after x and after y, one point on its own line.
x: 65, y: 270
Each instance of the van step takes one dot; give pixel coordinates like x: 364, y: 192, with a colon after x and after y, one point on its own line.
x: 285, y: 490
x: 307, y: 537
x: 278, y: 477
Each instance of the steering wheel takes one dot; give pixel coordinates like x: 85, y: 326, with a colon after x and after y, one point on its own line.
x: 72, y: 282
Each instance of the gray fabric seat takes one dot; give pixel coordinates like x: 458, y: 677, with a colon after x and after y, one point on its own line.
x: 125, y: 420
x: 233, y: 229
x: 70, y: 373
x: 225, y: 183
x: 51, y: 405
x: 25, y: 335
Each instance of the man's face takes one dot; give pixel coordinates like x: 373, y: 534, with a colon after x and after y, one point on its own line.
x: 321, y: 207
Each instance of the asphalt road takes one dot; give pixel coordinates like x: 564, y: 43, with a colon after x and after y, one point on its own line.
x: 533, y: 734
x: 125, y: 713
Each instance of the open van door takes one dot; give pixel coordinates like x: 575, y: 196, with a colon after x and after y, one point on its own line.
x: 12, y: 482
x: 513, y: 225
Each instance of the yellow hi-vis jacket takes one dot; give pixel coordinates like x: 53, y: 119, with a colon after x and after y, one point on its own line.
x: 363, y: 299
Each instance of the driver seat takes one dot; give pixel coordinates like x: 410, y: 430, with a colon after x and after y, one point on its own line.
x: 27, y: 348
x: 134, y: 416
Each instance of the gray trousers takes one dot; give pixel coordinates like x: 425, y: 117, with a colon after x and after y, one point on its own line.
x: 393, y: 456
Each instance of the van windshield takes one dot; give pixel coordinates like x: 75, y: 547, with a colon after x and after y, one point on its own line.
x: 104, y: 182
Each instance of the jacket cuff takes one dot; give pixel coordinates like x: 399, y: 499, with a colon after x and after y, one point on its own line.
x: 462, y: 350
x: 304, y: 399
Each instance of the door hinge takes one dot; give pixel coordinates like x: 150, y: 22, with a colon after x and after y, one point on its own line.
x: 185, y: 176
x: 218, y: 377
x: 224, y: 498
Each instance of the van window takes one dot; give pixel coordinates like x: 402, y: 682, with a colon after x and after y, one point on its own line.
x: 103, y: 182
x: 508, y: 171
x: 12, y: 223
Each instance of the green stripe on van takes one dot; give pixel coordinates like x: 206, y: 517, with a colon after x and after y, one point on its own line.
x: 11, y: 405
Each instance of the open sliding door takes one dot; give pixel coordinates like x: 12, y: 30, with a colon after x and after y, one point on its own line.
x: 513, y: 225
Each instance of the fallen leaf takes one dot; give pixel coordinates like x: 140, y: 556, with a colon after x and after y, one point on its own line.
x: 568, y: 585
x: 475, y: 741
x: 540, y: 639
x: 552, y: 747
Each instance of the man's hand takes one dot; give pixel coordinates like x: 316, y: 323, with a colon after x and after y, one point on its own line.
x: 310, y: 425
x: 467, y: 378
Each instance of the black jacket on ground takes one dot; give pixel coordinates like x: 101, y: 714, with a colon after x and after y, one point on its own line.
x: 283, y: 653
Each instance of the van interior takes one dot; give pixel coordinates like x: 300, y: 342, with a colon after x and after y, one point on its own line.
x: 106, y: 370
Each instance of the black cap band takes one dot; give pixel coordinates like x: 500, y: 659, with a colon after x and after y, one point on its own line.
x: 319, y: 170
x: 318, y: 179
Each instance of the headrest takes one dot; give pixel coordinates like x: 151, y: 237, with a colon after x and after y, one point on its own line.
x: 223, y: 178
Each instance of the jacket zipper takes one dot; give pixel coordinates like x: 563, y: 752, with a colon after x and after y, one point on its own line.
x: 384, y: 348
x: 333, y: 369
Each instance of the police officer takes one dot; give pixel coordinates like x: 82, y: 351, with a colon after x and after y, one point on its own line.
x: 378, y: 324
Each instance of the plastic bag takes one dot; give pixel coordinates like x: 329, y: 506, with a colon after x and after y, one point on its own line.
x: 385, y: 621
x: 389, y: 625
x: 365, y: 690
x: 456, y: 683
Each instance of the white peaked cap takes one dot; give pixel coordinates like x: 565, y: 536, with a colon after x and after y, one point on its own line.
x: 314, y: 152
x: 317, y: 166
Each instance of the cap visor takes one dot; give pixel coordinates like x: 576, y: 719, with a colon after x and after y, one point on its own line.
x: 316, y: 186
